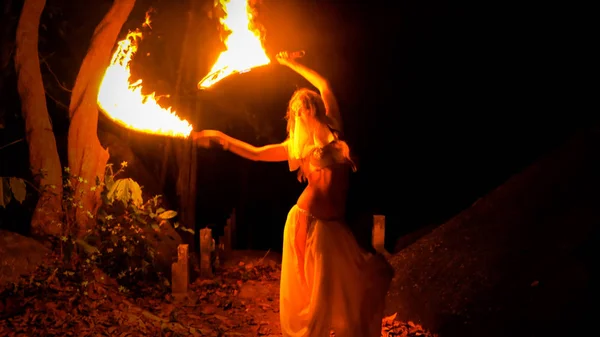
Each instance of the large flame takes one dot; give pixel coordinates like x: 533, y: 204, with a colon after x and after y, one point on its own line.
x: 244, y: 49
x: 124, y: 102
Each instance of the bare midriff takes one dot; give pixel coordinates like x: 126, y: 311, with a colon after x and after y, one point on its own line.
x: 325, y: 195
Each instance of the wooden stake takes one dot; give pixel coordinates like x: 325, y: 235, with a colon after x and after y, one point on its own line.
x: 232, y: 231
x: 227, y: 242
x: 378, y: 238
x: 180, y: 272
x: 207, y: 246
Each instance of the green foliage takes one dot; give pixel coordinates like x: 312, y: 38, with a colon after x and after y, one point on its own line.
x: 122, y: 241
x: 123, y: 238
x: 126, y: 191
x: 11, y: 187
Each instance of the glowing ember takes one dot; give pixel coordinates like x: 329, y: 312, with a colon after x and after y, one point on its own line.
x: 124, y: 103
x: 244, y: 49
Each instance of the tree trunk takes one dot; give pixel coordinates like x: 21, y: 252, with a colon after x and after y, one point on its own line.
x: 186, y: 153
x: 186, y: 189
x: 167, y: 158
x: 87, y: 157
x: 43, y: 154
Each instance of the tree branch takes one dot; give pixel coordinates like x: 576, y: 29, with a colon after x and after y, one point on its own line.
x: 59, y: 103
x: 12, y: 143
x: 44, y: 62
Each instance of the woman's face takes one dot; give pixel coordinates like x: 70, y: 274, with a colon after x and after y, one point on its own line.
x: 301, y: 114
x: 301, y: 134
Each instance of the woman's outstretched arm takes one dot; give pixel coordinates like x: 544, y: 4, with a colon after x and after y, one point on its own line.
x: 267, y: 153
x: 331, y: 105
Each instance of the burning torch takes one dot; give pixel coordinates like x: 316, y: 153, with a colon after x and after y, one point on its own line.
x: 220, y: 74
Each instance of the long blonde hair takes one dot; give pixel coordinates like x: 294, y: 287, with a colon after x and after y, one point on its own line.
x: 313, y: 105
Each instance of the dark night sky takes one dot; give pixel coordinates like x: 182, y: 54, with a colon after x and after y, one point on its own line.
x: 441, y: 101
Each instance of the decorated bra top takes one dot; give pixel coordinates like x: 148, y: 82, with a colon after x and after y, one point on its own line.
x: 314, y: 148
x: 319, y: 157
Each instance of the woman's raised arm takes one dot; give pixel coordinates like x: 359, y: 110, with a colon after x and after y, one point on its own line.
x: 331, y: 106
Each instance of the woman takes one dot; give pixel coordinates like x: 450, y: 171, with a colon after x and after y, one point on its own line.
x: 328, y: 283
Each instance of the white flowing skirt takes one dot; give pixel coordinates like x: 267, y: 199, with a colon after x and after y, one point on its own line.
x: 328, y: 282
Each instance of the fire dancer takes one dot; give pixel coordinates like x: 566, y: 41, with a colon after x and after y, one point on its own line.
x: 327, y: 281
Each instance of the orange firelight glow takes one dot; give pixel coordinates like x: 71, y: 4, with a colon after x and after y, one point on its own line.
x: 244, y: 49
x: 124, y: 103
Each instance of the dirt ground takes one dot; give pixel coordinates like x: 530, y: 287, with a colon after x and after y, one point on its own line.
x: 241, y: 300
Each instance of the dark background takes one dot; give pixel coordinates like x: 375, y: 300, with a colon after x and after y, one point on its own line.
x: 442, y: 101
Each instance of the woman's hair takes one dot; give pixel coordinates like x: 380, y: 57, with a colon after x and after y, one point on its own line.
x: 312, y: 104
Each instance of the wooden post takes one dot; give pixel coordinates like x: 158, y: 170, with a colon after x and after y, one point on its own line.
x: 224, y: 247
x: 207, y: 246
x: 232, y: 231
x: 229, y: 232
x: 378, y: 238
x: 180, y: 276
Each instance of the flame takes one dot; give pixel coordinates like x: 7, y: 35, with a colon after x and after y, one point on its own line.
x: 244, y: 49
x: 124, y: 103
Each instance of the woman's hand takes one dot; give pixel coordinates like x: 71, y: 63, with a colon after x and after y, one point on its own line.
x: 287, y: 58
x: 209, y: 138
x: 283, y: 58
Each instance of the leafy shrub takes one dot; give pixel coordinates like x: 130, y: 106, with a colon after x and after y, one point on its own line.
x: 118, y: 243
x: 11, y: 188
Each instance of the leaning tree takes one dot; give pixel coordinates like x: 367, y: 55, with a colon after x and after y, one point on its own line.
x: 87, y: 158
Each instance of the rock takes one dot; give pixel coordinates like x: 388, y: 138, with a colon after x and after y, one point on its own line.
x: 19, y: 255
